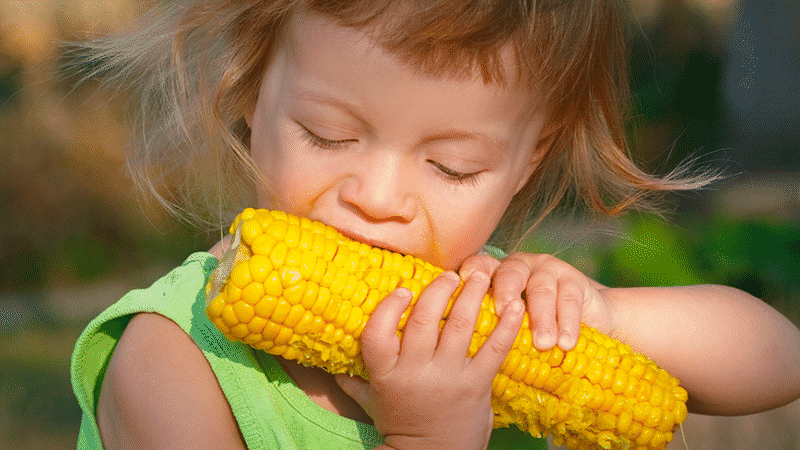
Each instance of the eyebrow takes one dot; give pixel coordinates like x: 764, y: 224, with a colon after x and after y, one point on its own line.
x: 327, y: 99
x: 463, y: 135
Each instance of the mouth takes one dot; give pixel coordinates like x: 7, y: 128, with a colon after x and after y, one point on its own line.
x: 383, y: 245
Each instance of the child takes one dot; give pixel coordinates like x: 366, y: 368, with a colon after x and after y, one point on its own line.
x: 418, y: 128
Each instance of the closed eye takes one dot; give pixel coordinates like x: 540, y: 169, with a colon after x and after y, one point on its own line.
x: 321, y: 142
x: 454, y: 175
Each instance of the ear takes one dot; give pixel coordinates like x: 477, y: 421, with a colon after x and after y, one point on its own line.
x: 546, y: 138
x: 249, y: 112
x: 535, y: 158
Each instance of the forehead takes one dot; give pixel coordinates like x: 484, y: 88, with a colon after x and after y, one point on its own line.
x: 461, y: 39
x: 436, y: 58
x: 321, y: 49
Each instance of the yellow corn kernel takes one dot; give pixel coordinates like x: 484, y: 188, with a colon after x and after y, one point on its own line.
x: 278, y: 254
x: 271, y: 330
x: 266, y: 306
x: 272, y: 284
x: 295, y: 294
x: 215, y: 307
x: 256, y: 326
x: 296, y: 312
x: 244, y: 311
x: 240, y: 276
x: 624, y: 421
x: 310, y: 295
x: 240, y: 331
x: 250, y: 230
x: 522, y: 368
x: 263, y: 245
x: 281, y: 311
x: 260, y: 266
x: 253, y: 293
x: 619, y: 383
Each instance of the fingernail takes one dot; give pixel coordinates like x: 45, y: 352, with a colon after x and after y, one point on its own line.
x: 544, y: 340
x: 403, y: 292
x: 509, y: 297
x: 450, y: 275
x: 479, y: 276
x: 515, y: 307
x: 565, y: 342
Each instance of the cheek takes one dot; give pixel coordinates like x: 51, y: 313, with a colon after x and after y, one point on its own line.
x: 286, y: 184
x: 295, y: 179
x: 271, y: 159
x: 461, y: 236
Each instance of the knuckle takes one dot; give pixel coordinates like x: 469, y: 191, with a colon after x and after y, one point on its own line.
x: 478, y: 263
x: 529, y: 259
x: 497, y: 346
x: 459, y: 323
x: 512, y: 264
x: 418, y: 322
x: 540, y: 290
x: 511, y: 274
x: 370, y: 338
x: 571, y: 294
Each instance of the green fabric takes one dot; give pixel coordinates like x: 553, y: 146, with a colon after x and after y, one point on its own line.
x: 494, y: 252
x: 272, y: 412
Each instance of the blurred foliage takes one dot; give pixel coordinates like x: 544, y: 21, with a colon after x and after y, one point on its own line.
x: 760, y: 255
x: 677, y: 63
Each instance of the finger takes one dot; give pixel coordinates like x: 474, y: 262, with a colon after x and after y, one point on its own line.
x: 482, y: 262
x: 509, y: 281
x: 357, y: 388
x: 421, y: 333
x: 494, y: 351
x: 542, y: 292
x: 460, y: 325
x: 569, y: 312
x: 380, y: 345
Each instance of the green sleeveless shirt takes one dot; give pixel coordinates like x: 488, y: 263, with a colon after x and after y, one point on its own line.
x: 271, y: 411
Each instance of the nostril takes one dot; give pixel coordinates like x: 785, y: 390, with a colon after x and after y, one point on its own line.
x: 379, y: 196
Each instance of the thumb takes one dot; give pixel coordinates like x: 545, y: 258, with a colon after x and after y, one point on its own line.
x: 358, y: 388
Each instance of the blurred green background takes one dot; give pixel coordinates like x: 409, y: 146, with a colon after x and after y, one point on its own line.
x: 712, y: 81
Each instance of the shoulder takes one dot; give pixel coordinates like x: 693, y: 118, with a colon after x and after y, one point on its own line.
x: 160, y: 392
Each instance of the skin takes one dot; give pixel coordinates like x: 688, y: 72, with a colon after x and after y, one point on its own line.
x: 350, y: 135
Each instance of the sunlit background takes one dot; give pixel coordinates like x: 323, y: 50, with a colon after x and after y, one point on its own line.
x: 718, y: 81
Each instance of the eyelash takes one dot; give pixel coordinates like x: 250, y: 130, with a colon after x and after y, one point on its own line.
x: 448, y: 173
x: 323, y: 143
x: 454, y: 176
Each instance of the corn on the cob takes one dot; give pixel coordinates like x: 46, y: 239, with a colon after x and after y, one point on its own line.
x: 301, y: 290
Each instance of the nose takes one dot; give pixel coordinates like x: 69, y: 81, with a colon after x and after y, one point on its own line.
x: 380, y: 187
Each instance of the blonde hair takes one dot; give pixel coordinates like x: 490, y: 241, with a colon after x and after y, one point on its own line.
x: 195, y: 68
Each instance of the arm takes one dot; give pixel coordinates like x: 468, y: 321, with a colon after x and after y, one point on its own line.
x: 160, y: 392
x: 732, y: 352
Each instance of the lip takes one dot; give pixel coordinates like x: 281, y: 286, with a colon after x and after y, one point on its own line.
x: 369, y: 241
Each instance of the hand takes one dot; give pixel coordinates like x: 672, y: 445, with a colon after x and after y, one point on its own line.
x: 424, y: 392
x: 219, y: 249
x: 559, y: 297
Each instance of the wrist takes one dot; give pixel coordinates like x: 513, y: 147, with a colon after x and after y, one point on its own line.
x: 610, y: 322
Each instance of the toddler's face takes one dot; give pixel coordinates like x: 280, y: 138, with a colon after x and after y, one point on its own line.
x: 349, y: 134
